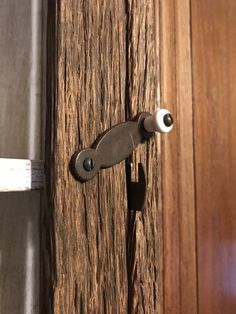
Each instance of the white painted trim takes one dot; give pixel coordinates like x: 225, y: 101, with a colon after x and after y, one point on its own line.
x: 21, y: 174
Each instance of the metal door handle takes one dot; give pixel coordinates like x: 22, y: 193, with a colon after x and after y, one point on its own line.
x: 118, y: 143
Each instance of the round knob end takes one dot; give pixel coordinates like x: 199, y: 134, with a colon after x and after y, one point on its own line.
x: 161, y: 121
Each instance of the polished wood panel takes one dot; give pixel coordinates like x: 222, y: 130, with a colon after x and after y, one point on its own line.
x: 102, y: 69
x: 214, y: 78
x: 179, y: 255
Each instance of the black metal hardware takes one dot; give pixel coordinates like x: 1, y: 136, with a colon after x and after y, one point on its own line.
x: 113, y: 146
x: 168, y: 120
x: 117, y: 144
x: 136, y: 191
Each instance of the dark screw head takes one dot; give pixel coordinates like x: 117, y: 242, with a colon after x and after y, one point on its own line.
x: 89, y: 164
x: 168, y: 120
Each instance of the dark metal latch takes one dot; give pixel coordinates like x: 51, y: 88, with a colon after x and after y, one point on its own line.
x: 117, y: 144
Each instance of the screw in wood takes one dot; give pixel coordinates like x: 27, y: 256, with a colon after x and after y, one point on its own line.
x: 89, y: 164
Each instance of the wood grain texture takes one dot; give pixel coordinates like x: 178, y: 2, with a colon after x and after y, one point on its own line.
x: 144, y: 229
x: 102, y: 69
x: 214, y: 74
x: 178, y: 197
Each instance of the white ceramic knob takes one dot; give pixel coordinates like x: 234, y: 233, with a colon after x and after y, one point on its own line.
x: 161, y: 121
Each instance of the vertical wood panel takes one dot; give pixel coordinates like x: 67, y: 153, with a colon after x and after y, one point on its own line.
x: 144, y: 229
x: 214, y: 69
x: 180, y: 286
x: 186, y: 183
x: 90, y: 219
x: 102, y: 69
x: 171, y: 259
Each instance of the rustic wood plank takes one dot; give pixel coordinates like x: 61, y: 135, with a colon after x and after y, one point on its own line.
x: 180, y: 286
x: 88, y: 258
x: 214, y: 69
x: 102, y: 68
x: 144, y: 261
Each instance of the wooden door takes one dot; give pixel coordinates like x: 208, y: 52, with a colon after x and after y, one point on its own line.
x: 102, y: 70
x: 214, y: 93
x: 107, y: 61
x: 198, y: 169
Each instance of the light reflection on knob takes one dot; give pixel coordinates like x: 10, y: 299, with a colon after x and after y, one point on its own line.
x: 161, y: 121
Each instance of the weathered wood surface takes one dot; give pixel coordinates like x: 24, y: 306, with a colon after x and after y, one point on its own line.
x: 102, y: 69
x: 178, y: 255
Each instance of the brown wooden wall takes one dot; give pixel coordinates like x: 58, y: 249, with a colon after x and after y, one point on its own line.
x: 102, y: 70
x: 178, y: 184
x: 199, y: 165
x: 214, y: 94
x: 106, y: 62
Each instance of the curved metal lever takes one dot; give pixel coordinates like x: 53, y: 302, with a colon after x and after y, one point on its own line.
x: 118, y: 143
x: 110, y: 148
